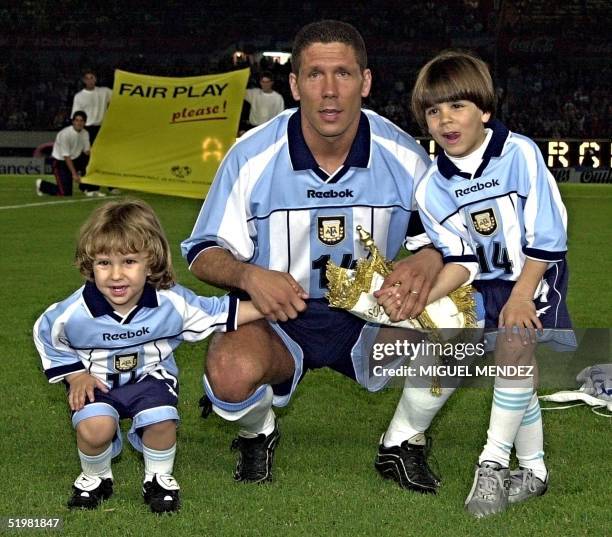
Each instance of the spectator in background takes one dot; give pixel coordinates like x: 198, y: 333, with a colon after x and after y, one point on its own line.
x: 94, y: 101
x: 70, y: 155
x: 265, y: 102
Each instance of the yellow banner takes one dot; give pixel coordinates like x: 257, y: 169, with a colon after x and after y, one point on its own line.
x: 167, y: 135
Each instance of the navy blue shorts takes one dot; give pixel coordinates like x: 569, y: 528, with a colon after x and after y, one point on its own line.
x: 326, y: 336
x: 152, y: 400
x: 320, y: 337
x: 550, y: 305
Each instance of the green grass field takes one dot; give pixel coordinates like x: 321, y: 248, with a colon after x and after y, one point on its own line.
x: 325, y: 483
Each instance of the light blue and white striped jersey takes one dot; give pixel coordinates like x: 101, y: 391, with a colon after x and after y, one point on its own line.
x: 83, y: 333
x: 509, y: 210
x: 272, y: 205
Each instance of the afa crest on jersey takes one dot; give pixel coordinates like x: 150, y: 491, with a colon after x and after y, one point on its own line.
x: 484, y: 222
x: 126, y: 362
x: 331, y: 229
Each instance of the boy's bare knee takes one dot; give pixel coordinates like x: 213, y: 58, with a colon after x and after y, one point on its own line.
x: 161, y: 427
x: 97, y: 431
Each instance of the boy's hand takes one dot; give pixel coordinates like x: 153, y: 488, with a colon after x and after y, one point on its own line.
x: 520, y: 312
x: 404, y: 292
x: 82, y: 386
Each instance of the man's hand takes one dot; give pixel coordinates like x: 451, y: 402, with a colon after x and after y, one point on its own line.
x: 81, y: 387
x: 404, y: 292
x: 275, y: 294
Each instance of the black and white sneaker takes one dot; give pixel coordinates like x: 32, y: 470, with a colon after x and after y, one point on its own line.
x: 161, y: 494
x: 407, y: 465
x: 256, y: 456
x: 88, y: 491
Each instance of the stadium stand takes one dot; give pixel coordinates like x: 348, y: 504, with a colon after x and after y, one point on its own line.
x: 550, y: 59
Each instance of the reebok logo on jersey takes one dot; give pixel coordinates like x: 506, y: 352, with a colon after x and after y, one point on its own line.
x: 330, y: 194
x: 476, y: 188
x: 126, y: 335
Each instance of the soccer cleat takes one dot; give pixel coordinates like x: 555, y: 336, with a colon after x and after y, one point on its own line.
x: 88, y: 491
x: 525, y: 485
x: 95, y: 194
x: 407, y: 465
x: 256, y: 456
x: 39, y: 192
x: 489, y: 494
x: 206, y: 406
x: 161, y: 494
x: 114, y: 191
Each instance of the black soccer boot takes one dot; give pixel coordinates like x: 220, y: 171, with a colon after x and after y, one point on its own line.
x: 407, y: 465
x: 161, y: 494
x: 88, y: 491
x: 256, y: 456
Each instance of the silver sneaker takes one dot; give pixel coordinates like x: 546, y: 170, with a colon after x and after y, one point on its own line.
x: 489, y: 494
x: 524, y: 485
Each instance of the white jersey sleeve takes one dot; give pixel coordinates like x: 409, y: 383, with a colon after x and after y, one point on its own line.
x: 56, y: 354
x: 416, y: 235
x: 448, y: 234
x: 202, y: 315
x: 544, y: 215
x: 225, y: 217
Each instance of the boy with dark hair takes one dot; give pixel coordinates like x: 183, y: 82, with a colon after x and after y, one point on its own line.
x: 489, y: 200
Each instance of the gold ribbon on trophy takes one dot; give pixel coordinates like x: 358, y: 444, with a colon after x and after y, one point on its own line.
x: 352, y: 290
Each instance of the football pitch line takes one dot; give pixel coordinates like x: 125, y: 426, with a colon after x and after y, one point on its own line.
x: 26, y: 205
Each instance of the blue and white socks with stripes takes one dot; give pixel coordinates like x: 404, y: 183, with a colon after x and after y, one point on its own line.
x: 529, y: 441
x: 515, y: 420
x: 158, y: 461
x: 97, y: 465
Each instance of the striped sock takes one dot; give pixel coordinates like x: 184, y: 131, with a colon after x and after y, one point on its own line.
x: 529, y: 442
x: 158, y: 461
x: 511, y: 398
x: 97, y: 465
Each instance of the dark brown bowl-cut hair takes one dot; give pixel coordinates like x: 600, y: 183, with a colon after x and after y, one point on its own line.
x: 453, y: 75
x: 126, y: 226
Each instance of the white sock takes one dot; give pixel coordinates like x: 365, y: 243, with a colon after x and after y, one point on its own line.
x: 256, y: 415
x: 158, y: 461
x: 529, y: 442
x: 511, y: 398
x: 414, y: 413
x: 97, y: 465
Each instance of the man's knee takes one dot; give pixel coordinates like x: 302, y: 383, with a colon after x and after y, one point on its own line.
x: 239, y: 363
x: 232, y: 377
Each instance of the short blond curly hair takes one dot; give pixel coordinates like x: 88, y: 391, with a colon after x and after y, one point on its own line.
x: 126, y: 226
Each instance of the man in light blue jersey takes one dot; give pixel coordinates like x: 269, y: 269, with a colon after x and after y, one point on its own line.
x: 112, y: 343
x: 494, y: 210
x: 286, y: 200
